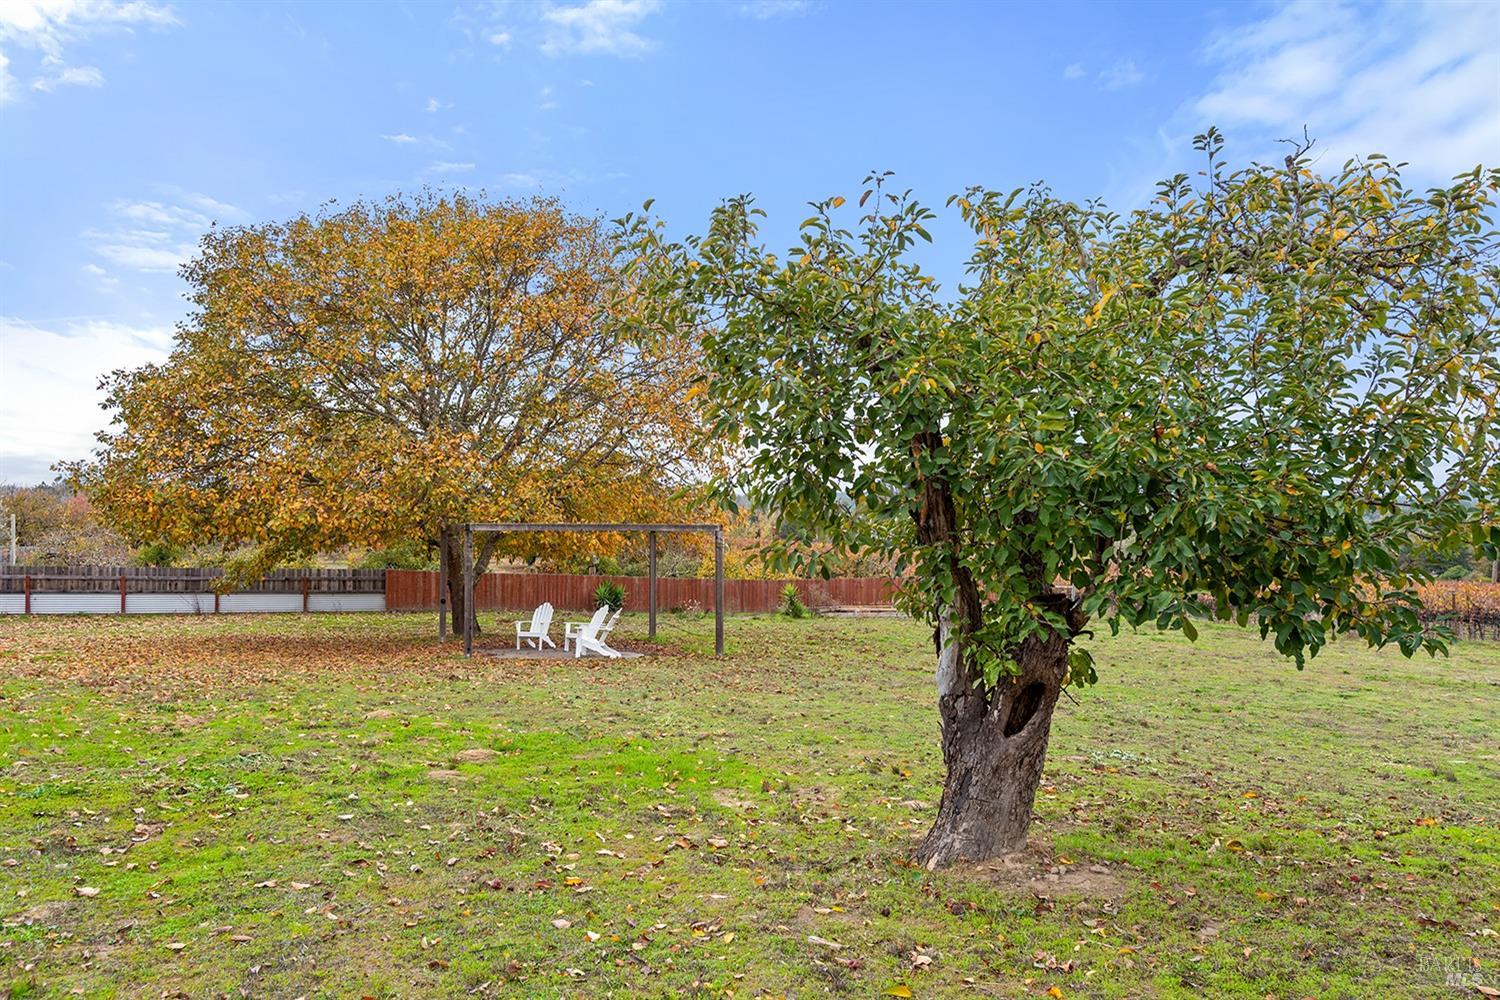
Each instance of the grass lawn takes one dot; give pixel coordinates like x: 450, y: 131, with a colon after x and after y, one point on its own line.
x: 333, y: 806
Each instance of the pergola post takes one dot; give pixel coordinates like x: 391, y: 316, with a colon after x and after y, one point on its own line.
x: 651, y: 584
x: 718, y: 591
x: 468, y: 589
x: 443, y: 594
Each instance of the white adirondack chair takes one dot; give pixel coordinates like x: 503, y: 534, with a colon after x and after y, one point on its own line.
x: 535, y: 631
x: 587, y: 639
x: 571, y: 629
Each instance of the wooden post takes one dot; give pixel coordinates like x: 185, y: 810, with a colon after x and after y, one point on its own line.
x: 651, y: 584
x: 122, y: 593
x: 216, y: 602
x: 26, y: 589
x: 304, y: 595
x: 442, y: 585
x: 468, y: 590
x: 718, y: 591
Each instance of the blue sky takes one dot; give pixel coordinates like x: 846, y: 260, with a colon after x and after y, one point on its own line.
x: 126, y: 128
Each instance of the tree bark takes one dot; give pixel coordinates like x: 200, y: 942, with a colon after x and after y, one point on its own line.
x: 994, y: 740
x: 452, y: 541
x: 994, y: 746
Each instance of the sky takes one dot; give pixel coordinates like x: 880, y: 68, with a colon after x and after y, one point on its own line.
x: 128, y: 127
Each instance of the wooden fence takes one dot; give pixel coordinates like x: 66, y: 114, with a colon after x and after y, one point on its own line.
x: 165, y: 588
x: 172, y: 580
x: 415, y: 590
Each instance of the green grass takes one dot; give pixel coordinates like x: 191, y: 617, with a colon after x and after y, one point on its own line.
x: 282, y: 798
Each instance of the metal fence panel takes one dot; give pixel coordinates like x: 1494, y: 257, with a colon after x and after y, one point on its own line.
x: 169, y: 604
x: 260, y: 602
x: 75, y: 604
x: 346, y: 602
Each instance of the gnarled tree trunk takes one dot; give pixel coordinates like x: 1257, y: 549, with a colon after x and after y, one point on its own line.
x: 994, y: 745
x: 994, y: 740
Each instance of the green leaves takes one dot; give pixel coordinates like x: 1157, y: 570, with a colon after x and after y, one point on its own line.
x: 1262, y: 387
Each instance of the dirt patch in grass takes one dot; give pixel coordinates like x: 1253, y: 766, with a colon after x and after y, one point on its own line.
x: 1038, y: 871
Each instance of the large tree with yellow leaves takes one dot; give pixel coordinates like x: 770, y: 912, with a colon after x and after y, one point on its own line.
x: 388, y: 371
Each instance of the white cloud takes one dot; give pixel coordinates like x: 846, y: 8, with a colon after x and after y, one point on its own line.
x: 434, y: 105
x: 448, y: 167
x: 548, y: 102
x: 765, y: 10
x: 49, y: 27
x: 1418, y: 82
x: 407, y: 139
x: 103, y: 280
x: 70, y: 76
x: 519, y: 180
x: 1073, y: 71
x: 54, y: 369
x: 1122, y: 74
x: 599, y: 26
x: 158, y: 236
x: 500, y: 38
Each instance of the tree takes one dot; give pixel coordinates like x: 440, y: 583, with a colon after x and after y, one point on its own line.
x: 57, y: 527
x: 385, y: 372
x: 1241, y: 401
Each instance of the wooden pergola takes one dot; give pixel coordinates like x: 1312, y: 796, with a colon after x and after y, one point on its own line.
x: 651, y: 530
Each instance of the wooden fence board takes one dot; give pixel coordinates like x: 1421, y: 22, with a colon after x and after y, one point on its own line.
x: 174, y: 580
x: 417, y: 590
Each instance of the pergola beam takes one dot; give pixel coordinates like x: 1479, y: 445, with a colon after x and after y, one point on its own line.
x: 651, y: 531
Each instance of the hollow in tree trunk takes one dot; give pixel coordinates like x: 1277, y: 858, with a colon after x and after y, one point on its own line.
x: 994, y: 740
x: 994, y: 746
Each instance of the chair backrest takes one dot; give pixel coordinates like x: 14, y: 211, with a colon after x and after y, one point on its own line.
x: 543, y: 617
x: 610, y: 625
x: 591, y: 630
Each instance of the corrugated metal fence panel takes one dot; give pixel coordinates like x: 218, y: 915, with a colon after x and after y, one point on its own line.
x: 169, y: 604
x: 260, y: 602
x: 346, y: 602
x: 75, y: 604
x: 186, y: 604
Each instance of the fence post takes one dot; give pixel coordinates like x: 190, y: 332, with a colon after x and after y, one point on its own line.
x: 469, y: 610
x: 304, y: 595
x: 122, y: 593
x: 718, y: 591
x: 26, y: 588
x: 216, y: 602
x: 651, y: 584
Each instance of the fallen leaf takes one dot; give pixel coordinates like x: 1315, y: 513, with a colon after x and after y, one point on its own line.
x: 899, y: 990
x: 86, y: 891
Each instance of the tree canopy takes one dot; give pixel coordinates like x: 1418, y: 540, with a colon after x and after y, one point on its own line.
x: 1243, y: 399
x: 381, y: 371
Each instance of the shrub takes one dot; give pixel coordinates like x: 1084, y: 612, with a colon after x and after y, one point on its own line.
x: 609, y: 594
x: 157, y: 554
x: 402, y: 555
x: 791, y: 602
